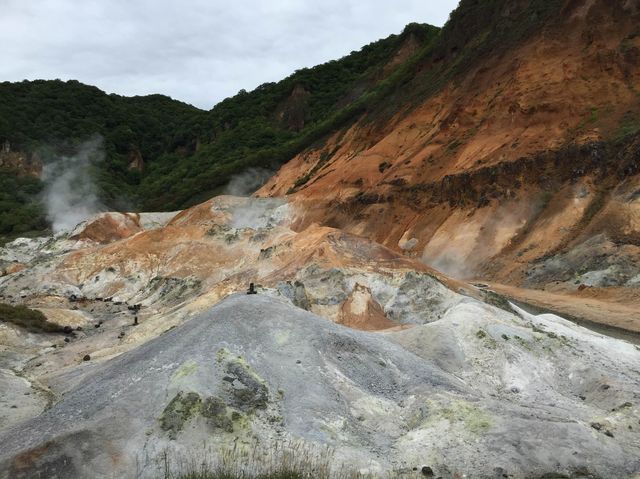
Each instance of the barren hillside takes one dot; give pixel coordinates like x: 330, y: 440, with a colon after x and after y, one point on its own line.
x: 523, y: 168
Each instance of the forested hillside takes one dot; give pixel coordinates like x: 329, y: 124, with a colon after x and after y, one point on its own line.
x: 162, y: 154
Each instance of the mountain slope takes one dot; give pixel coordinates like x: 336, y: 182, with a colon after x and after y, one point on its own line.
x: 503, y: 147
x: 161, y: 154
x: 521, y: 166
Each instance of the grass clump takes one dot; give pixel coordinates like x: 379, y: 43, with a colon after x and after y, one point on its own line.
x: 474, y: 419
x: 287, y: 460
x: 29, y: 319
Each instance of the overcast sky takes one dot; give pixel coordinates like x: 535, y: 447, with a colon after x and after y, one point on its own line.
x: 197, y: 51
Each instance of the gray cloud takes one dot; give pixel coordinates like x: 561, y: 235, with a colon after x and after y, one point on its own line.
x: 198, y: 51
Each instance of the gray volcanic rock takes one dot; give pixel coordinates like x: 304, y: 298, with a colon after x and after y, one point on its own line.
x: 453, y: 394
x: 18, y: 401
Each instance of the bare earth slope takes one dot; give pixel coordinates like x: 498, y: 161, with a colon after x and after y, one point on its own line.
x: 523, y: 169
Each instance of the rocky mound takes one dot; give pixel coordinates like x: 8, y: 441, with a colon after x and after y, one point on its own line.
x: 480, y: 392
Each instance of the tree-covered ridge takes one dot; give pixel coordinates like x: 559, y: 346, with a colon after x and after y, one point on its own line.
x: 56, y: 113
x: 190, y: 154
x: 54, y: 117
x: 268, y: 126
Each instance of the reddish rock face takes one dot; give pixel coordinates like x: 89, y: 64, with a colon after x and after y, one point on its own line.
x: 22, y: 163
x: 12, y: 268
x: 109, y: 227
x: 520, y: 171
x: 293, y: 110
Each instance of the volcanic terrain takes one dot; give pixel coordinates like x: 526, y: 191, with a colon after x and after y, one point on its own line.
x: 446, y: 278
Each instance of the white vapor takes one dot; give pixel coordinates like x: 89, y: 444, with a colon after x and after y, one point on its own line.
x: 70, y: 195
x: 246, y: 183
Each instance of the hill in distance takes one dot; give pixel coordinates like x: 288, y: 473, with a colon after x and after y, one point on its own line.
x: 162, y: 155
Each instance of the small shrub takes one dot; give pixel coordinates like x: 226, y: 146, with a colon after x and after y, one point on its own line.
x: 629, y: 125
x: 454, y: 145
x: 537, y: 329
x: 301, y: 181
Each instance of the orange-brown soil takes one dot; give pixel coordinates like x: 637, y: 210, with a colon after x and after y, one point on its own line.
x: 515, y: 172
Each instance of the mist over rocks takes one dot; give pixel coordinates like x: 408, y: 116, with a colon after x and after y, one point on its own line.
x: 419, y: 370
x: 248, y: 182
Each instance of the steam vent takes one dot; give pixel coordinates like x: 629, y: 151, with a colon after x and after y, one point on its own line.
x: 421, y: 259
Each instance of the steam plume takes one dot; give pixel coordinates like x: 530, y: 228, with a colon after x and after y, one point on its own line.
x: 246, y: 183
x: 70, y: 195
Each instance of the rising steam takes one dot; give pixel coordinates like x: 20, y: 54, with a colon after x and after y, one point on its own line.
x: 70, y: 195
x: 246, y: 183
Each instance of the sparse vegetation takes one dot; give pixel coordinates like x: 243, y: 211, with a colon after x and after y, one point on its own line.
x: 325, y: 156
x: 545, y: 199
x: 497, y: 300
x: 454, y: 145
x: 591, y: 119
x: 597, y: 203
x: 303, y: 180
x: 384, y: 166
x: 475, y: 30
x: 474, y: 419
x: 29, y: 319
x: 630, y: 125
x: 290, y: 460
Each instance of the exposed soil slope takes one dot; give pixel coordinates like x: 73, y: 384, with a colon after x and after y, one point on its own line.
x: 524, y: 168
